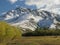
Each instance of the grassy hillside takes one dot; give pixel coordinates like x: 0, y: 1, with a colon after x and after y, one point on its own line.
x: 8, y: 33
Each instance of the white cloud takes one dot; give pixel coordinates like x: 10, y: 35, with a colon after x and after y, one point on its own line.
x: 42, y: 3
x: 13, y: 1
x: 49, y: 5
x: 33, y: 2
x: 57, y: 1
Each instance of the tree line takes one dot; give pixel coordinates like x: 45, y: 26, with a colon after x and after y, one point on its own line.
x: 43, y: 32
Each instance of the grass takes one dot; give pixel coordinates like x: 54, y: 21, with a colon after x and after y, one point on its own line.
x: 41, y: 40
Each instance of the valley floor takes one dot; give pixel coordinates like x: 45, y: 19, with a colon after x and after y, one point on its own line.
x: 41, y: 40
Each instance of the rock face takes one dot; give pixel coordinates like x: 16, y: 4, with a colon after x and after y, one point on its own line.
x: 30, y: 19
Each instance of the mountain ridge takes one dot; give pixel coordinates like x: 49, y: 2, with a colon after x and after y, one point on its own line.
x: 30, y: 19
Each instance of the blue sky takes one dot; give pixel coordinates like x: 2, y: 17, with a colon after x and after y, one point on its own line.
x: 7, y: 5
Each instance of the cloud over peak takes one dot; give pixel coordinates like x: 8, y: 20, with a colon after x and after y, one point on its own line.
x: 43, y: 3
x: 12, y: 1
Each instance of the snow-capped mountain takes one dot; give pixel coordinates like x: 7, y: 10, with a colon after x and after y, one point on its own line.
x: 30, y: 19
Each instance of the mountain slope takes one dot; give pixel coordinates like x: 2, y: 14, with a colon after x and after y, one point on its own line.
x: 30, y: 19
